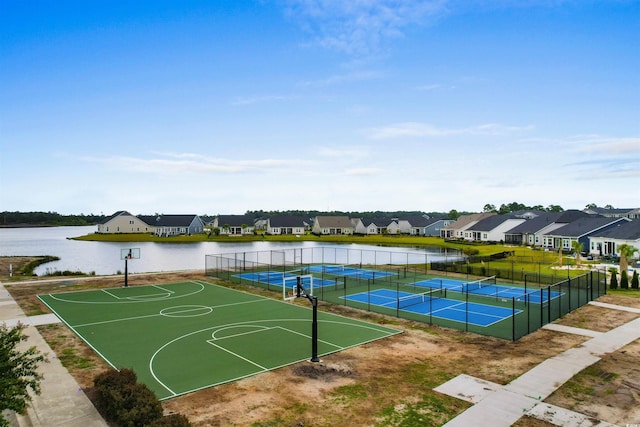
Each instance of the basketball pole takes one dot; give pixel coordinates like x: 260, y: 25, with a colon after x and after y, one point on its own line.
x: 126, y: 273
x: 314, y: 324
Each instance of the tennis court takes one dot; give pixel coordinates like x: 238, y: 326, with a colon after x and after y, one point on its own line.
x: 490, y: 288
x: 434, y: 303
x: 183, y: 337
x: 278, y: 278
x: 346, y: 271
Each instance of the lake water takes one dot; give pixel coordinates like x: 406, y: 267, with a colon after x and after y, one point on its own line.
x: 103, y: 258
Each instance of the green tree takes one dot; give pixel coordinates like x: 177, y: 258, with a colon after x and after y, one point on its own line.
x: 554, y: 208
x: 577, y: 249
x: 614, y: 278
x: 635, y: 280
x: 489, y: 208
x: 626, y: 252
x: 624, y: 279
x: 18, y: 372
x: 453, y: 214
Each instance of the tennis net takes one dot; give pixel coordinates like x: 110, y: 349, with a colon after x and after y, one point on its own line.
x: 416, y: 299
x: 479, y: 284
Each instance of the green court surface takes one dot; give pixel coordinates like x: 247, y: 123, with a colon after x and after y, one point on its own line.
x: 183, y: 337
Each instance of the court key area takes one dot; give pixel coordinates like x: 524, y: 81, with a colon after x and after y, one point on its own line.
x: 183, y: 337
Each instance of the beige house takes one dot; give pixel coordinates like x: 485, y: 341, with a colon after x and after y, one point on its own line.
x: 332, y: 225
x: 124, y: 222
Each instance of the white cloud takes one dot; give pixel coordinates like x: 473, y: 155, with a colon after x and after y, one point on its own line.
x: 608, y: 145
x: 361, y: 27
x: 343, y: 152
x: 179, y: 163
x: 414, y: 129
x: 344, y: 78
x: 239, y: 101
x: 429, y: 87
x: 363, y: 171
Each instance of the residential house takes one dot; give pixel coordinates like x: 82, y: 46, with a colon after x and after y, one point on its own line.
x: 493, y: 228
x: 399, y: 226
x: 458, y: 230
x: 532, y: 231
x: 124, y: 222
x: 234, y: 225
x: 285, y: 224
x: 579, y: 230
x: 423, y: 225
x: 373, y: 226
x: 529, y: 232
x: 174, y: 225
x: 332, y: 225
x: 630, y: 213
x: 607, y: 242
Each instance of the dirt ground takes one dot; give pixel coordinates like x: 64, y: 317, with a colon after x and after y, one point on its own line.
x: 387, y: 382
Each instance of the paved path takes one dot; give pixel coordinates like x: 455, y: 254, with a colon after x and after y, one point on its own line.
x: 497, y: 405
x: 61, y: 403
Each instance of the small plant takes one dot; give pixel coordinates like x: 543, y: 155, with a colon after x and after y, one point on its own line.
x: 614, y: 278
x: 634, y: 280
x: 624, y: 280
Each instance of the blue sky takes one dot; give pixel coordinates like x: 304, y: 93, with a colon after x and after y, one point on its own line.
x: 211, y: 107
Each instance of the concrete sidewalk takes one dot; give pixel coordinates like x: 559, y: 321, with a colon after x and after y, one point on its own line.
x: 61, y: 403
x: 497, y: 405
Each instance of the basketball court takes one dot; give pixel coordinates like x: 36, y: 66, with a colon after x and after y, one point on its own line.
x: 187, y: 336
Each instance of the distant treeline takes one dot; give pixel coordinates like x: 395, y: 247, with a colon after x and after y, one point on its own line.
x: 32, y: 219
x: 351, y: 214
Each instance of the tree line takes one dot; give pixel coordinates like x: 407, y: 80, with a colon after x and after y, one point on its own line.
x: 25, y: 219
x: 18, y: 219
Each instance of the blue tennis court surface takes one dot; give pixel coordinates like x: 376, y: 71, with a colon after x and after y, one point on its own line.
x: 277, y: 278
x: 499, y: 291
x: 458, y: 311
x: 341, y: 270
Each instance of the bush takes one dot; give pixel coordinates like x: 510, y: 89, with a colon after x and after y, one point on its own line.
x: 173, y: 420
x: 108, y: 388
x: 140, y: 406
x: 624, y: 280
x: 614, y: 280
x: 123, y: 401
x: 634, y: 280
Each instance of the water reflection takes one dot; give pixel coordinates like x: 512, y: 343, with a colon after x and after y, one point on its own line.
x: 104, y: 257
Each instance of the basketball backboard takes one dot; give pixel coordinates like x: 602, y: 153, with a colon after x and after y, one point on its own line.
x: 130, y: 253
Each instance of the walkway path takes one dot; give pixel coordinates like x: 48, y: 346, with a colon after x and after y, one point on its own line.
x: 497, y: 405
x: 61, y: 403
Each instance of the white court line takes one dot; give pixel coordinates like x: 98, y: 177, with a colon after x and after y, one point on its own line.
x: 238, y: 356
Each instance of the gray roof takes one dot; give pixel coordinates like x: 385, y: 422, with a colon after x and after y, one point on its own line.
x: 168, y: 220
x: 339, y: 221
x: 491, y: 222
x: 109, y: 218
x: 418, y: 220
x: 584, y: 226
x: 287, y: 221
x: 612, y: 211
x: 468, y: 219
x: 235, y: 220
x: 535, y: 224
x: 379, y: 222
x: 627, y: 230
